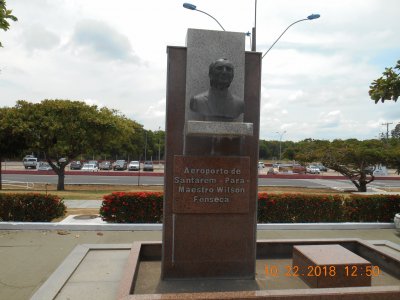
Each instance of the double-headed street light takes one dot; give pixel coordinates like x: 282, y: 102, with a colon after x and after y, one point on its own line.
x: 253, y: 33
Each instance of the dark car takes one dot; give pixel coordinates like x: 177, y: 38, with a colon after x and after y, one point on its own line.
x: 76, y: 165
x: 148, y: 166
x: 120, y: 165
x: 105, y: 165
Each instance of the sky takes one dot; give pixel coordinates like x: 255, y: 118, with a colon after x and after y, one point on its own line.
x: 315, y: 80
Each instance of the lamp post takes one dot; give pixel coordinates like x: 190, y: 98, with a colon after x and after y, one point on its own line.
x: 193, y: 7
x: 159, y: 145
x: 310, y: 17
x: 280, y: 143
x: 253, y: 31
x: 145, y: 146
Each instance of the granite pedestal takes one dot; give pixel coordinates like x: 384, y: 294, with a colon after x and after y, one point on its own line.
x: 327, y: 266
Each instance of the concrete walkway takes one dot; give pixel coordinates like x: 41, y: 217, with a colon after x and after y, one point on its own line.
x: 83, y: 203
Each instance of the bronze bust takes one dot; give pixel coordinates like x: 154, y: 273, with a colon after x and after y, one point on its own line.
x: 218, y: 103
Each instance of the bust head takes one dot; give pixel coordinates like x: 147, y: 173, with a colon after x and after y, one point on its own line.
x: 221, y: 73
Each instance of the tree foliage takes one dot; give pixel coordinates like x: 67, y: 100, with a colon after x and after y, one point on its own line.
x: 5, y: 15
x: 396, y: 132
x: 12, y: 141
x: 386, y: 87
x: 62, y: 129
x: 352, y: 158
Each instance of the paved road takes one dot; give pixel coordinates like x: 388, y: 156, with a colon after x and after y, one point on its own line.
x: 156, y: 180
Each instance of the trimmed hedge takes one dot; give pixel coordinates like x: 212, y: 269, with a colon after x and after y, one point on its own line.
x: 120, y: 207
x: 135, y: 207
x: 371, y: 208
x: 31, y: 207
x: 299, y: 208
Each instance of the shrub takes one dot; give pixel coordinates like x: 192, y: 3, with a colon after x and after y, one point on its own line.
x: 135, y: 207
x: 299, y: 208
x: 31, y: 207
x: 120, y: 207
x: 371, y: 208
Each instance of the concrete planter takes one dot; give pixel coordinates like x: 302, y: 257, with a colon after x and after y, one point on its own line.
x: 397, y: 221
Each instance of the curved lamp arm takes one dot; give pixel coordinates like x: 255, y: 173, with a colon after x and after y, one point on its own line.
x: 193, y: 7
x: 310, y: 17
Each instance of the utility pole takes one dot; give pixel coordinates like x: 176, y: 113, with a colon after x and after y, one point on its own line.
x: 387, y: 129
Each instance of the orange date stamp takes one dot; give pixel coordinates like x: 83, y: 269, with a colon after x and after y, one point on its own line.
x: 322, y: 271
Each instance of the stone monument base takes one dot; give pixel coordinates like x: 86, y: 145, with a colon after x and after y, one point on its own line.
x: 327, y: 266
x: 132, y: 272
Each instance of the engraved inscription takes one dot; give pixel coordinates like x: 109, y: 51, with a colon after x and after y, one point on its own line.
x: 211, y: 184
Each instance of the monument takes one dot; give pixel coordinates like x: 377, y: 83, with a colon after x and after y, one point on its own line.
x: 209, y: 248
x: 212, y: 132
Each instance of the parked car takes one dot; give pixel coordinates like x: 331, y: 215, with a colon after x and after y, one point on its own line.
x: 44, y: 166
x: 93, y: 162
x: 261, y: 165
x: 321, y: 167
x: 75, y: 165
x: 120, y: 165
x: 148, y: 166
x: 30, y: 161
x: 299, y: 169
x: 134, y: 165
x: 312, y: 169
x: 105, y: 165
x: 89, y: 168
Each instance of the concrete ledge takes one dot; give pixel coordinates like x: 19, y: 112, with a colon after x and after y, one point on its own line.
x: 103, y: 226
x: 324, y: 226
x: 57, y: 280
x: 220, y: 129
x: 152, y: 250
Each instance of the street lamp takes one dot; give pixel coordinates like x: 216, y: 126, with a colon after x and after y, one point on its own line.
x: 310, y: 17
x: 280, y: 143
x: 193, y: 7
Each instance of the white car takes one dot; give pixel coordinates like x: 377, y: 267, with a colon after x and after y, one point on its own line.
x: 44, y: 166
x: 312, y: 170
x: 89, y: 168
x: 134, y: 166
x: 261, y: 165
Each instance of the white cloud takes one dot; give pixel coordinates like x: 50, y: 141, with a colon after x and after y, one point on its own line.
x: 98, y: 39
x: 39, y: 37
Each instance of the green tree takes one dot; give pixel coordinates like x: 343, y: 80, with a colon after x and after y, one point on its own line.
x: 128, y: 144
x: 263, y: 151
x: 5, y: 15
x: 354, y: 159
x: 396, y: 132
x: 386, y: 87
x: 12, y: 141
x: 63, y: 129
x: 394, y: 153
